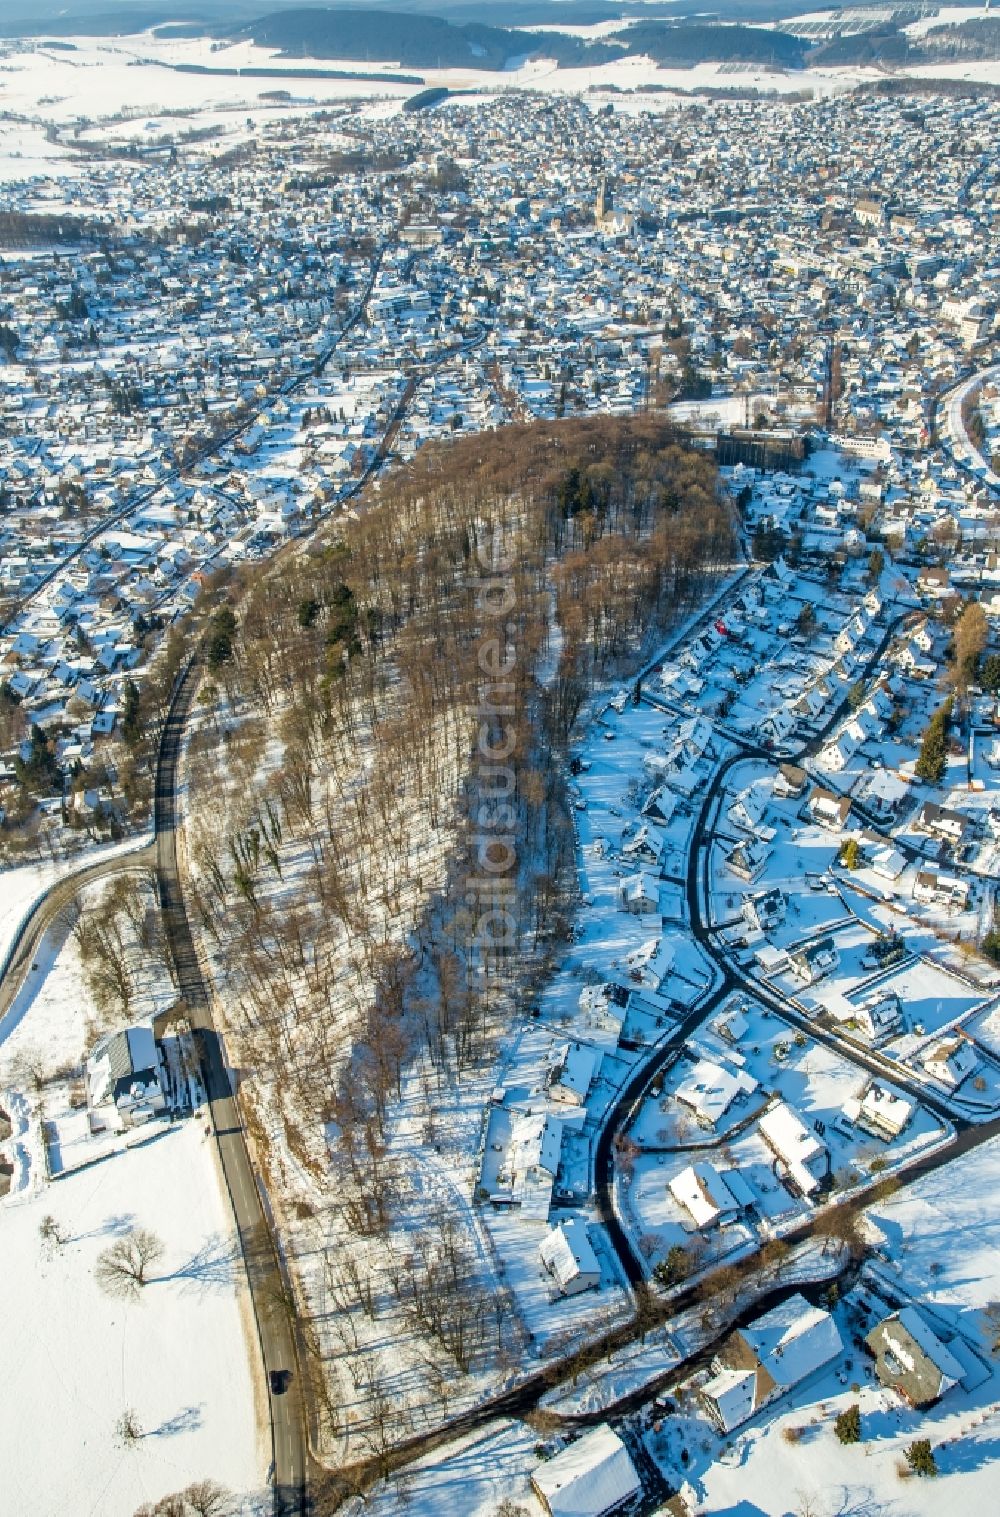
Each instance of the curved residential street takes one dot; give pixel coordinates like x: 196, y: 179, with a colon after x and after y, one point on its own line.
x: 953, y: 435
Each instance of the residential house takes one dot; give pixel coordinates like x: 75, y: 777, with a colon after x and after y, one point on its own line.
x: 879, y: 1016
x: 880, y: 1112
x: 704, y: 1194
x: 639, y: 894
x: 593, y: 1477
x: 934, y: 581
x: 951, y: 1061
x: 571, y: 1073
x: 931, y: 888
x: 748, y: 859
x: 762, y: 1362
x: 711, y: 1088
x: 764, y: 910
x: 804, y: 1156
x: 568, y: 1256
x: 814, y: 960
x: 829, y: 809
x: 748, y: 811
x: 942, y: 822
x: 532, y: 1164
x: 644, y: 848
x: 660, y: 806
x: 911, y: 1359
x: 911, y: 661
x: 123, y: 1079
x: 790, y: 782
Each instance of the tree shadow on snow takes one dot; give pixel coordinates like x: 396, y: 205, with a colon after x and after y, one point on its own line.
x: 964, y: 1454
x: 112, y: 1227
x: 187, y: 1421
x: 213, y: 1266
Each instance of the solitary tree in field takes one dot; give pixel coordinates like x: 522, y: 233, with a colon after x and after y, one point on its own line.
x: 123, y: 1268
x: 128, y: 1428
x: 51, y: 1233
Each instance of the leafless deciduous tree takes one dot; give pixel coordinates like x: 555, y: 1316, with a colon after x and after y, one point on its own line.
x: 207, y: 1498
x: 128, y: 1428
x: 51, y: 1234
x: 122, y: 1269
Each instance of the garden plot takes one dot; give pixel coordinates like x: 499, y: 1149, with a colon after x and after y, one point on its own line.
x: 658, y: 1222
x: 882, y: 915
x: 796, y: 858
x: 791, y: 1460
x: 816, y: 1081
x: 932, y: 999
x: 840, y: 991
x: 664, y: 1123
x: 552, y: 1323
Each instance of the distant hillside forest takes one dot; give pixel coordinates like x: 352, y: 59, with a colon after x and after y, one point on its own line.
x: 421, y: 40
x: 418, y: 41
x: 968, y: 42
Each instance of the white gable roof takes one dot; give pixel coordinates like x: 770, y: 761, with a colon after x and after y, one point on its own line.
x: 593, y: 1476
x: 793, y: 1339
x: 702, y: 1190
x: 567, y: 1252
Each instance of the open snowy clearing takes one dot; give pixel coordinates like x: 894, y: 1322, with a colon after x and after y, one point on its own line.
x: 177, y: 1356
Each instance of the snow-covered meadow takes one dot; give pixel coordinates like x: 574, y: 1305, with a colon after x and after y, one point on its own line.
x: 179, y: 1357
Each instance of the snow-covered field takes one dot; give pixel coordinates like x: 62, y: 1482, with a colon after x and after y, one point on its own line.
x: 20, y: 888
x: 471, y: 1477
x: 76, y: 1359
x: 178, y: 1357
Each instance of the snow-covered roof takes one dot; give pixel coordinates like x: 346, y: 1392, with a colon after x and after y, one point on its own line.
x: 912, y: 1358
x: 567, y: 1253
x: 784, y: 1131
x: 711, y: 1088
x: 733, y: 1393
x: 702, y: 1190
x: 593, y: 1476
x: 573, y: 1068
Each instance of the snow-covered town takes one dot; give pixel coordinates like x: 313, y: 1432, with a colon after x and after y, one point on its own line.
x: 688, y: 1205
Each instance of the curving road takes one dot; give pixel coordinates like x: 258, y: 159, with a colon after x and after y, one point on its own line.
x: 17, y: 962
x: 953, y: 435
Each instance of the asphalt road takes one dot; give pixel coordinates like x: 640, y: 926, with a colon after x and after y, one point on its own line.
x: 274, y: 1323
x: 17, y: 966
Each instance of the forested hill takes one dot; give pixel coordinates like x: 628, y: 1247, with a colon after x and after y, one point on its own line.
x: 413, y: 41
x: 418, y: 41
x: 363, y: 656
